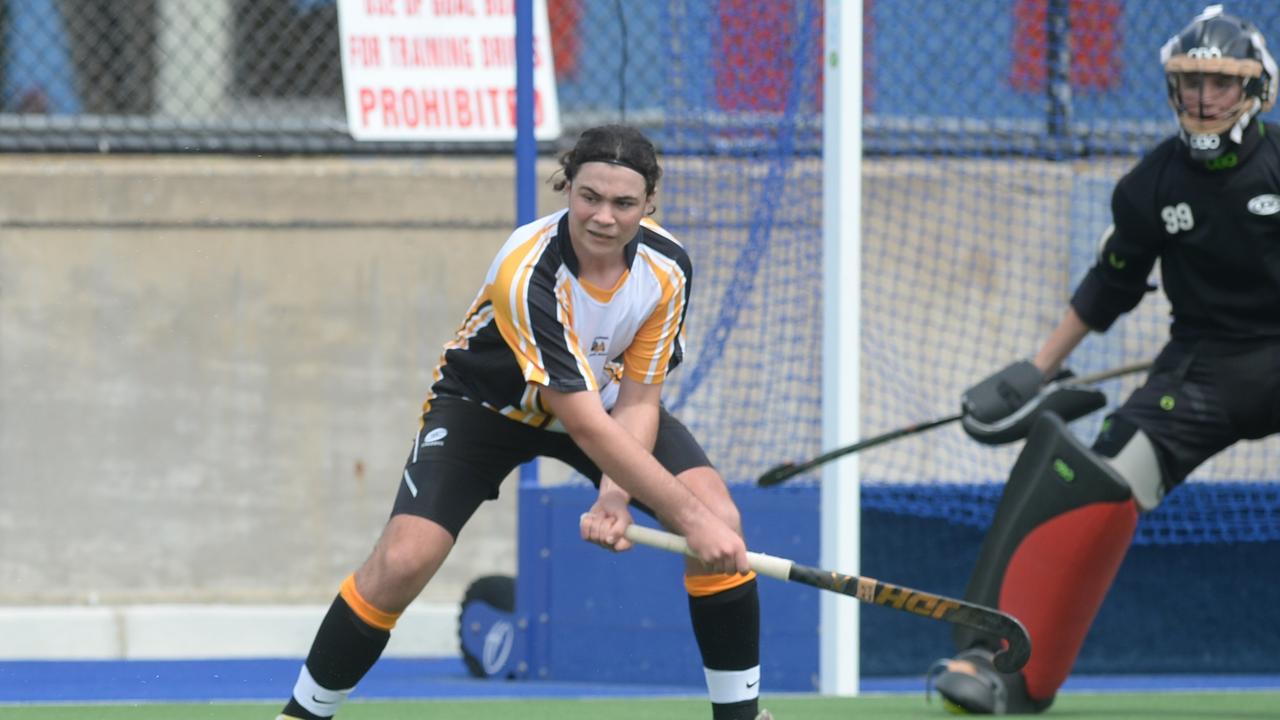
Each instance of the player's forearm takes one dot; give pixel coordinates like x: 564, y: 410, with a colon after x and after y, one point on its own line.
x: 622, y: 458
x: 634, y: 469
x: 610, y: 488
x: 640, y: 419
x: 636, y: 410
x: 1061, y: 342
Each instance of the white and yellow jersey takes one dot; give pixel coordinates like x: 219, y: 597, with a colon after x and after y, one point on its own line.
x: 535, y: 324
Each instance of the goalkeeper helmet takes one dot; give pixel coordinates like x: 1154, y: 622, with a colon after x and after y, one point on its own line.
x: 1213, y: 48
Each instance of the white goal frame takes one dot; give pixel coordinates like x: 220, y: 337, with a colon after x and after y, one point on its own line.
x: 838, y: 665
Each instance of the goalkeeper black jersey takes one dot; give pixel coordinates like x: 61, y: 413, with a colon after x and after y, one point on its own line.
x: 1215, y: 232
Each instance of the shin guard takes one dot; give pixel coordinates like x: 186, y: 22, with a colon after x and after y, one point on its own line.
x: 725, y: 612
x: 345, y: 647
x: 1060, y: 532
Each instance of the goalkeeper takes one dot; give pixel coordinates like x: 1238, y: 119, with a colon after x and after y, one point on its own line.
x: 1206, y: 205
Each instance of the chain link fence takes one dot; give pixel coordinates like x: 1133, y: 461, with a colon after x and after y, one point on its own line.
x: 171, y: 75
x: 1050, y: 77
x: 260, y: 76
x: 265, y: 76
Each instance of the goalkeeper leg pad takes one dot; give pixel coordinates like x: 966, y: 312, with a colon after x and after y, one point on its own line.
x: 1060, y: 532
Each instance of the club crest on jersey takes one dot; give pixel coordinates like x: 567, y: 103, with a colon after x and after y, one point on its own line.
x: 1264, y: 205
x: 599, y: 345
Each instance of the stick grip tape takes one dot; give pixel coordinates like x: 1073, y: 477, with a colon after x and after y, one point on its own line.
x: 774, y: 567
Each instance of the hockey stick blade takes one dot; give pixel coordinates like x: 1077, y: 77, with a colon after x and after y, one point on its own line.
x: 1017, y: 643
x: 779, y: 474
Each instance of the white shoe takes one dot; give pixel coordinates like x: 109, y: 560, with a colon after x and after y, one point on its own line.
x: 764, y: 715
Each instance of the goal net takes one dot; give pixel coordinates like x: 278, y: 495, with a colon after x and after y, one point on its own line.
x: 993, y: 134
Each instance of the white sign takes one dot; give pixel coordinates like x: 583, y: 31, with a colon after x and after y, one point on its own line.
x: 441, y: 70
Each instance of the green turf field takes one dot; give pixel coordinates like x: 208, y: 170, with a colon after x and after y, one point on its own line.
x: 1110, y: 706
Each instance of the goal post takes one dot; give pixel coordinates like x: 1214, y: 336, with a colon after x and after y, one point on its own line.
x: 842, y: 246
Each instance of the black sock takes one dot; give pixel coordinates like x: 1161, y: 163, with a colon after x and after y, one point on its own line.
x: 344, y: 649
x: 727, y: 628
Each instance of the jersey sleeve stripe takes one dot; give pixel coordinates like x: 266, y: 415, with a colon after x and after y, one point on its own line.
x: 510, y: 293
x: 478, y: 317
x: 564, y: 310
x: 673, y: 283
x: 651, y: 353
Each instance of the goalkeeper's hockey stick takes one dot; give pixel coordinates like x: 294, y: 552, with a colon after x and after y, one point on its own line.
x: 781, y: 473
x: 1017, y: 648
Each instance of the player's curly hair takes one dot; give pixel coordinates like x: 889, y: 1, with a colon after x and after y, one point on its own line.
x: 614, y: 144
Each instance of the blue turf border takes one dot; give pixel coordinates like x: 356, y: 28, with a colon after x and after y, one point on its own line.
x: 268, y: 679
x: 146, y: 681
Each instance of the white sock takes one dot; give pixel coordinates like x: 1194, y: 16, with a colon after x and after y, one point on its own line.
x: 730, y: 686
x: 318, y: 700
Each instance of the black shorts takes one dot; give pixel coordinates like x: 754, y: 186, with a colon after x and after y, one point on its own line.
x: 1204, y: 396
x: 464, y: 451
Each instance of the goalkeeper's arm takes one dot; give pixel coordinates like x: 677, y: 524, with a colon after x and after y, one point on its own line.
x: 1003, y: 407
x: 1071, y: 330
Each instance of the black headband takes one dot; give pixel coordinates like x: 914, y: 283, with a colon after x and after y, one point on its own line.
x: 617, y: 161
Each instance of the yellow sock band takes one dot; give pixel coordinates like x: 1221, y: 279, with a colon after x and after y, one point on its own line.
x: 705, y: 585
x: 362, y: 608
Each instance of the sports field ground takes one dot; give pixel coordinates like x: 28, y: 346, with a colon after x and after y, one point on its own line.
x: 440, y: 689
x: 1103, y: 706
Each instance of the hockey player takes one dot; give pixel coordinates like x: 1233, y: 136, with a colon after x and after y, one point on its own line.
x: 1206, y: 204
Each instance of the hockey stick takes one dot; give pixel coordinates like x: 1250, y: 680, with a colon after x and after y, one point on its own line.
x: 1017, y: 648
x: 785, y: 471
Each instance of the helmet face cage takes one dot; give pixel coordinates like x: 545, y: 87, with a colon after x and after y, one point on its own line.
x: 1219, y: 44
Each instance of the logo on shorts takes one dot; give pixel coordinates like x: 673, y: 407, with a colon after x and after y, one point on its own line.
x: 435, y: 438
x: 1265, y: 205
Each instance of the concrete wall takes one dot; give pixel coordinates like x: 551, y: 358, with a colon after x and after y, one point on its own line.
x: 211, y: 369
